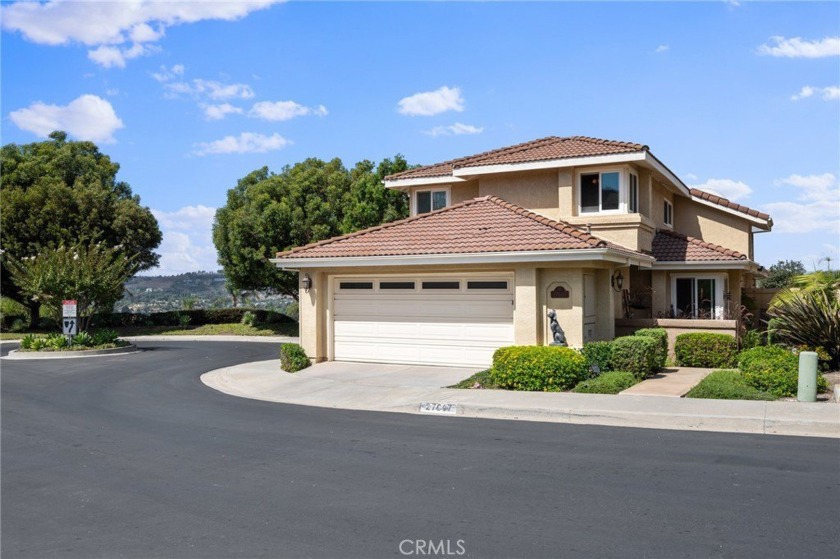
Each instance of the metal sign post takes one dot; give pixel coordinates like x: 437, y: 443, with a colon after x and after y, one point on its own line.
x: 69, y: 320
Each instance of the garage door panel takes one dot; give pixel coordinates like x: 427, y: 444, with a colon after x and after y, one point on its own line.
x: 423, y: 327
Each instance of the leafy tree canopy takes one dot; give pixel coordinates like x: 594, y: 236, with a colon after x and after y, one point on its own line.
x: 307, y: 202
x: 66, y: 192
x: 782, y: 273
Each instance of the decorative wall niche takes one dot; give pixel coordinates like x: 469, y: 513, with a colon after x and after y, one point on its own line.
x: 559, y: 296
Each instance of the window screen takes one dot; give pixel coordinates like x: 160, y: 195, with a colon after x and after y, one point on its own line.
x: 589, y: 192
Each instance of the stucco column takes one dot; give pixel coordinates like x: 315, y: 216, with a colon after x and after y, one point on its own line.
x: 734, y: 292
x: 312, y: 312
x: 526, y: 310
x: 660, y: 301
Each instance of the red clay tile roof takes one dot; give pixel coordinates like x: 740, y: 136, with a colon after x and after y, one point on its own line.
x: 714, y: 199
x: 669, y: 246
x: 544, y: 149
x: 487, y: 224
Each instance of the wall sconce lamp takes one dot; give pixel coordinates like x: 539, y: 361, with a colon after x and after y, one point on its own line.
x: 306, y: 283
x: 617, y: 281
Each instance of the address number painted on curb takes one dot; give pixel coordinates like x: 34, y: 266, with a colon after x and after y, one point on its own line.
x: 432, y: 407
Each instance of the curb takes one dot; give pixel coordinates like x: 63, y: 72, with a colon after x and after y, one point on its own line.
x: 257, y: 382
x: 17, y: 355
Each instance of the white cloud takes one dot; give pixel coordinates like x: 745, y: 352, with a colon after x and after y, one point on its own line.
x: 691, y: 177
x: 284, y: 110
x: 429, y: 103
x: 728, y: 188
x: 246, y: 142
x: 218, y: 112
x: 187, y: 240
x: 662, y: 48
x: 167, y: 74
x: 827, y: 93
x: 456, y: 129
x: 87, y: 117
x: 817, y: 207
x: 95, y: 24
x: 110, y: 57
x: 799, y: 48
x: 212, y: 89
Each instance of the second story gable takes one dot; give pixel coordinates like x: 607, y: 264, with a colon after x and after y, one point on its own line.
x: 616, y: 190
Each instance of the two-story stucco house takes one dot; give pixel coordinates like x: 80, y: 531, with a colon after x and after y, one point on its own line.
x: 600, y: 231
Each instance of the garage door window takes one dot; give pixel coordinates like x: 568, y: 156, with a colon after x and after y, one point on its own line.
x: 441, y: 285
x: 487, y: 285
x: 389, y: 285
x: 356, y: 285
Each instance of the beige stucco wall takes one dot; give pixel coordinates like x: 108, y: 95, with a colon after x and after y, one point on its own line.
x: 657, y: 207
x: 537, y: 191
x: 711, y: 225
x: 570, y: 311
x: 633, y: 231
x: 463, y: 191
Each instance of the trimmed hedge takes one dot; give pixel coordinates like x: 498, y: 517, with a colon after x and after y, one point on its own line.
x: 635, y: 354
x: 196, y: 317
x: 546, y: 368
x: 775, y: 370
x: 727, y: 385
x: 293, y: 358
x: 611, y: 382
x: 704, y: 349
x: 661, y: 337
x: 597, y: 353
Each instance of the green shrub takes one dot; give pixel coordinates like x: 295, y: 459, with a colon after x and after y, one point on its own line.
x: 103, y: 337
x: 636, y: 354
x: 727, y: 385
x: 775, y: 370
x: 27, y: 341
x: 83, y: 339
x: 293, y: 358
x: 55, y: 341
x: 611, y: 382
x: 19, y: 325
x: 704, y: 349
x: 12, y: 314
x: 546, y: 368
x: 38, y: 343
x: 661, y: 337
x: 750, y: 339
x: 249, y: 319
x: 597, y: 354
x: 198, y: 317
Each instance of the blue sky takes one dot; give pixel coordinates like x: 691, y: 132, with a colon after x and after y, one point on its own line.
x: 188, y: 97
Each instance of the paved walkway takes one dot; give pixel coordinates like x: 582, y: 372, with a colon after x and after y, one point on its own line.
x: 396, y: 388
x: 675, y: 382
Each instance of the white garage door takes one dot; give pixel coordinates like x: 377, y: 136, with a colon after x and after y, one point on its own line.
x: 435, y: 320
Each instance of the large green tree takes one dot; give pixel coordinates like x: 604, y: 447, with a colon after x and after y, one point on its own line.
x: 66, y: 192
x: 307, y: 202
x: 782, y: 274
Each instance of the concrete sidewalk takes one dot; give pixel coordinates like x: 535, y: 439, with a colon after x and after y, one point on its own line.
x: 674, y: 382
x: 395, y: 388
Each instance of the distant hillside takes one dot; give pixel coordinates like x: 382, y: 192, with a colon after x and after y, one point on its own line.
x: 200, y: 290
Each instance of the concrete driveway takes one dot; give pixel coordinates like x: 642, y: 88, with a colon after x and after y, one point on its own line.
x: 379, y: 374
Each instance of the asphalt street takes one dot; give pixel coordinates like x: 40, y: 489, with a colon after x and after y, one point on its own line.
x: 132, y: 456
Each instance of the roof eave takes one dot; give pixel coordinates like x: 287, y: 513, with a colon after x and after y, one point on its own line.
x: 511, y: 257
x: 763, y: 224
x: 706, y: 265
x: 421, y: 181
x: 468, y: 172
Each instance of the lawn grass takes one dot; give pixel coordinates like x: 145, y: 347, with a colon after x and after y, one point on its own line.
x: 611, y: 382
x: 727, y: 384
x: 482, y: 378
x: 234, y: 329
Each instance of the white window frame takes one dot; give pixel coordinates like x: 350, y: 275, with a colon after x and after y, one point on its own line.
x: 623, y: 189
x: 446, y: 189
x: 720, y: 292
x: 667, y: 204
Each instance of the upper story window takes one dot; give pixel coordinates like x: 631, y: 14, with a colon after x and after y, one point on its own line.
x: 599, y: 191
x: 633, y: 194
x: 426, y: 201
x: 668, y: 213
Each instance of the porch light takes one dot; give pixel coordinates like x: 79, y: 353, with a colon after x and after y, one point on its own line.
x: 617, y: 281
x: 306, y: 283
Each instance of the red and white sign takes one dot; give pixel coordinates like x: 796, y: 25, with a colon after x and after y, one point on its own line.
x: 68, y: 308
